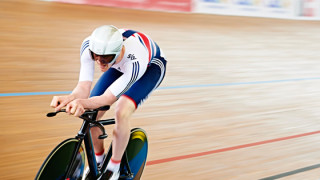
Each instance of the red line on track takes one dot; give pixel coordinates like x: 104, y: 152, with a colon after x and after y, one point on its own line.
x: 159, y: 161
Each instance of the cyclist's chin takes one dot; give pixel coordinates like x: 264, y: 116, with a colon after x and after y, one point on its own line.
x: 104, y: 68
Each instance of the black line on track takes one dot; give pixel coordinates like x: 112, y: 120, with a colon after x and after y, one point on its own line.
x: 289, y: 173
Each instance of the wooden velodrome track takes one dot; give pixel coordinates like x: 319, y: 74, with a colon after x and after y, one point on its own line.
x: 240, y: 99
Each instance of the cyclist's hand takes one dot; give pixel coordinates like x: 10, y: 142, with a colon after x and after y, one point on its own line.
x: 59, y: 102
x: 75, y: 108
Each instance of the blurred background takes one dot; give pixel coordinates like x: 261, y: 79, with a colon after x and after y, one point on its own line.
x: 240, y: 99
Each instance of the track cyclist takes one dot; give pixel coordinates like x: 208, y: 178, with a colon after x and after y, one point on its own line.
x: 133, y: 66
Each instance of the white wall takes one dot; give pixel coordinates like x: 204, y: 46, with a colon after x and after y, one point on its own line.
x: 288, y: 9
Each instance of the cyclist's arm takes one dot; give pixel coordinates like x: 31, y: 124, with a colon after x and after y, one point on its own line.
x: 82, y: 90
x: 87, y: 63
x: 98, y: 101
x: 134, y: 71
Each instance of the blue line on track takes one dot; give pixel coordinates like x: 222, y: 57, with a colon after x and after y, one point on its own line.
x: 34, y: 93
x: 170, y: 87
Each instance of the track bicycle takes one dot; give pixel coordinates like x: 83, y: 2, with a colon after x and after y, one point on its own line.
x: 67, y: 160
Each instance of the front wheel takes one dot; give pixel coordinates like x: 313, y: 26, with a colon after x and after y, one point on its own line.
x: 57, y: 163
x: 136, y: 151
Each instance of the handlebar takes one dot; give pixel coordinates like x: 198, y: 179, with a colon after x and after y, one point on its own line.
x: 90, y: 115
x: 87, y: 112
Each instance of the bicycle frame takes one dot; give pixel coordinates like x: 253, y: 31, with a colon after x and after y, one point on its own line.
x: 84, y: 135
x: 73, y: 167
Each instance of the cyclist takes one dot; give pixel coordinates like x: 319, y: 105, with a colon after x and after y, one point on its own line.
x: 133, y: 66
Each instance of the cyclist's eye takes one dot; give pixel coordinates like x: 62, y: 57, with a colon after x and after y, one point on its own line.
x: 103, y: 59
x: 108, y: 58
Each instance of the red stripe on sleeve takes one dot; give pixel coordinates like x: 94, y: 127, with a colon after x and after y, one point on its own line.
x: 146, y: 42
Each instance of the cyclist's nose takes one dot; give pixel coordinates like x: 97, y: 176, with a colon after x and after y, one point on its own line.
x: 98, y: 59
x: 100, y: 62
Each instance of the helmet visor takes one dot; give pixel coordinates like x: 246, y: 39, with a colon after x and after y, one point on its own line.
x: 103, y: 59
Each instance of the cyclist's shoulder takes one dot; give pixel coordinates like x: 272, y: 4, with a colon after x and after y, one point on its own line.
x: 84, y: 47
x: 134, y: 49
x: 127, y: 32
x: 86, y: 40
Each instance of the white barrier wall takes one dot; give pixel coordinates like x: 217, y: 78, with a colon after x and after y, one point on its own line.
x: 288, y: 9
x: 310, y: 8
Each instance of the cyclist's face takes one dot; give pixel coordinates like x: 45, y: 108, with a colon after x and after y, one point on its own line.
x: 103, y: 61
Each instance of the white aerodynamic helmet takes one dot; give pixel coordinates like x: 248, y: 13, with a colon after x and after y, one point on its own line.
x: 106, y: 40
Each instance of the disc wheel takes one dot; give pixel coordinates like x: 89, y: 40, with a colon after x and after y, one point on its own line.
x: 56, y: 165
